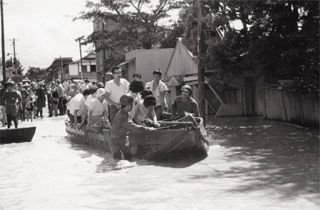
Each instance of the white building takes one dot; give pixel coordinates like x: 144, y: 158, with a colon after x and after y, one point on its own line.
x: 88, y: 68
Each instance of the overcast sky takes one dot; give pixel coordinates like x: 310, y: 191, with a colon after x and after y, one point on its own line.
x: 44, y: 30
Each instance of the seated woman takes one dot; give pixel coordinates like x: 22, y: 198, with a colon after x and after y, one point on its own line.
x: 97, y: 110
x: 184, y: 104
x: 144, y: 113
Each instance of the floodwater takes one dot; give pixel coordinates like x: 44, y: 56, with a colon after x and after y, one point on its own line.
x: 252, y: 164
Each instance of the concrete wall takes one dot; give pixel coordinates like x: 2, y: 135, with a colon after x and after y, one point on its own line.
x: 146, y: 61
x: 73, y: 69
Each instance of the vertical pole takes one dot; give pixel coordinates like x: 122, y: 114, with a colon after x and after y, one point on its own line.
x: 201, y: 76
x: 79, y: 40
x: 103, y: 61
x: 14, y: 56
x: 61, y: 67
x: 80, y: 60
x: 3, y: 46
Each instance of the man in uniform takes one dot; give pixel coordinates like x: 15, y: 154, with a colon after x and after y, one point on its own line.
x: 12, y: 101
x: 184, y: 103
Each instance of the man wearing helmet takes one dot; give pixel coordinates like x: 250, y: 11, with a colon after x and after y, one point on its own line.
x: 184, y: 103
x: 120, y: 127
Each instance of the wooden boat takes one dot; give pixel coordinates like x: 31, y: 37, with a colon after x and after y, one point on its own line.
x: 17, y: 135
x: 173, y: 140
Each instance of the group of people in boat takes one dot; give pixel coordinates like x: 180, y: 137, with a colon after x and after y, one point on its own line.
x: 123, y: 106
x: 119, y: 105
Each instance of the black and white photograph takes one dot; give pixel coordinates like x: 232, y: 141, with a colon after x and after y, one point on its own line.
x: 159, y: 105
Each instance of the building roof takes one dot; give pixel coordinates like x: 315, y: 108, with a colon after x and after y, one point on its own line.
x: 90, y: 57
x: 56, y: 64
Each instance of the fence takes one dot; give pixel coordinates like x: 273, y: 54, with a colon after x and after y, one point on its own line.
x: 291, y: 106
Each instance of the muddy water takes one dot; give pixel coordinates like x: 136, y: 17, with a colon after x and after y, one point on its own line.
x: 253, y: 164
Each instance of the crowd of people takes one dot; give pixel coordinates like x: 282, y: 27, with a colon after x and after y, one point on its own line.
x: 118, y: 104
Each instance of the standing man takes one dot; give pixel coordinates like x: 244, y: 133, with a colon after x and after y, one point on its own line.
x: 158, y: 89
x: 109, y: 76
x: 60, y: 96
x: 114, y: 90
x: 12, y: 100
x: 121, y: 127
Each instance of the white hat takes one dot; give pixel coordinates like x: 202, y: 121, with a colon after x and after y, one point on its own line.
x: 100, y: 92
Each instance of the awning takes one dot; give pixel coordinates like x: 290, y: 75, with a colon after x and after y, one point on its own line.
x: 126, y: 62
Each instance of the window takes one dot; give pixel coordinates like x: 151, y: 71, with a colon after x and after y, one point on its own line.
x: 92, y: 68
x: 84, y: 69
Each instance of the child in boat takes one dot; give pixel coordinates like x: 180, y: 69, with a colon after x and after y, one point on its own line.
x: 120, y: 127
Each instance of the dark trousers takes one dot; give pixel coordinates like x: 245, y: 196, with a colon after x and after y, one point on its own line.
x: 61, y: 106
x: 49, y: 103
x: 158, y: 110
x: 71, y: 117
x: 39, y: 110
x: 22, y: 111
x: 12, y: 118
x: 118, y: 149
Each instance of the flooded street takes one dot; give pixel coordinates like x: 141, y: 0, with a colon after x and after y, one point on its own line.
x: 252, y: 164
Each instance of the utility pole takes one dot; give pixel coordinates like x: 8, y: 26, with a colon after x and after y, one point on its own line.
x: 14, y: 56
x: 79, y: 40
x: 3, y: 46
x: 61, y: 67
x: 201, y: 76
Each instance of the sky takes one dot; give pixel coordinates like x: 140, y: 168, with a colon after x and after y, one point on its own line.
x: 44, y: 30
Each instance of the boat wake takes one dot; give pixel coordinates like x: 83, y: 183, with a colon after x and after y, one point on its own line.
x: 113, y: 165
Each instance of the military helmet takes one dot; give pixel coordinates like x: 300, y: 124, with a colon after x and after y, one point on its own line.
x: 126, y: 99
x: 187, y: 88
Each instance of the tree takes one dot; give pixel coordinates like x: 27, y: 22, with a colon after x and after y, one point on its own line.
x: 10, y: 64
x: 136, y: 23
x: 36, y: 73
x: 278, y: 39
x: 170, y: 38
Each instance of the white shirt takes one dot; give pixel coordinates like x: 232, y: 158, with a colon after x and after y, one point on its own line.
x: 158, y: 91
x: 97, y: 107
x: 75, y: 102
x: 116, y: 91
x: 88, y: 100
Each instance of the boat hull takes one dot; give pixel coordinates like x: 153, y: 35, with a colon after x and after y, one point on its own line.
x: 16, y: 135
x: 159, y: 145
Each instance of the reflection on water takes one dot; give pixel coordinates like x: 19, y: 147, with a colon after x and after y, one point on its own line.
x: 252, y: 164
